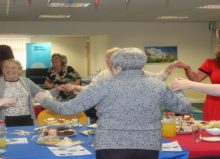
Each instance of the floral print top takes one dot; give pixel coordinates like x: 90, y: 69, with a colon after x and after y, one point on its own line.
x: 16, y: 91
x: 66, y: 75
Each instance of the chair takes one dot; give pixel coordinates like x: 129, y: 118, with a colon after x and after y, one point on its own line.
x: 37, y: 75
x: 49, y: 114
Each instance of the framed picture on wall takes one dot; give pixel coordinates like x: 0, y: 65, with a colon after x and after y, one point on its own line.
x: 161, y: 54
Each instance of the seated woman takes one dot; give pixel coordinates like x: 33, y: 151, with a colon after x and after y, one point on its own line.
x: 18, y: 89
x: 60, y: 73
x: 129, y: 108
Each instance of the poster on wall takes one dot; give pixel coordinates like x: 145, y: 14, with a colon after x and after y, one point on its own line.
x: 38, y: 55
x: 161, y: 54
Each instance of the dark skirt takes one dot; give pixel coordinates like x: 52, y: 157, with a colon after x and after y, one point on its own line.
x: 24, y: 120
x: 126, y: 154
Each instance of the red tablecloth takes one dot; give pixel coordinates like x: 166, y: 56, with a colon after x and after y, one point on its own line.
x: 197, y: 149
x: 37, y: 110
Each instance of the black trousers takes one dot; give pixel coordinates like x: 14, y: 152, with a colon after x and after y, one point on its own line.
x: 126, y: 154
x: 24, y: 120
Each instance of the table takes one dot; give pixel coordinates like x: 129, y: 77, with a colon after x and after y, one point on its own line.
x: 197, y: 149
x: 36, y: 151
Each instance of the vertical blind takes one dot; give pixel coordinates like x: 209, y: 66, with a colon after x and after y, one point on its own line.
x: 18, y: 45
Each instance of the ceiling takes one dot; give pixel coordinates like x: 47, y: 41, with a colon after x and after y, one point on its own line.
x: 110, y: 10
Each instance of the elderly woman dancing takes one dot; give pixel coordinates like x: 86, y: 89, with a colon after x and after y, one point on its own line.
x: 129, y: 104
x: 16, y: 92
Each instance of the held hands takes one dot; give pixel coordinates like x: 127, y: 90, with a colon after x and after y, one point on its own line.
x: 6, y: 101
x: 41, y: 95
x: 180, y: 84
x: 69, y: 88
x: 179, y: 64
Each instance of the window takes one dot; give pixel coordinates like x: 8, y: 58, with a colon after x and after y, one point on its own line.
x: 18, y: 45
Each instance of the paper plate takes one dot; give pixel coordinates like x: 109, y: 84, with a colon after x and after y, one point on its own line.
x: 211, y: 139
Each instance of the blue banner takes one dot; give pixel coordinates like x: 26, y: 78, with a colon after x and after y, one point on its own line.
x: 38, y: 55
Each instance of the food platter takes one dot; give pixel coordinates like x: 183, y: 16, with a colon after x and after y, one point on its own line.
x: 56, y: 131
x: 186, y: 129
x: 58, y: 122
x: 88, y: 132
x: 57, y: 141
x: 211, y: 139
x: 92, y: 126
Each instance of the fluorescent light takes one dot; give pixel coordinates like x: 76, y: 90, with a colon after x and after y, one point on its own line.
x: 55, y: 16
x: 217, y: 6
x: 62, y: 4
x: 172, y: 17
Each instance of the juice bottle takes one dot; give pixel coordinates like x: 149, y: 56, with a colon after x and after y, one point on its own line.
x: 2, y: 134
x: 169, y: 126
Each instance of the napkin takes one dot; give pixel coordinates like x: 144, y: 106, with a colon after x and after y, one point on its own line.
x: 171, y: 146
x: 17, y: 141
x: 69, y: 151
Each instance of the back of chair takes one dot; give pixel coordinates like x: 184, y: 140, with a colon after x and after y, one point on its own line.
x: 41, y: 119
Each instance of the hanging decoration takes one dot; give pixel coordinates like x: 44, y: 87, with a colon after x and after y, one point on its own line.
x: 127, y: 1
x: 14, y: 1
x: 69, y: 2
x: 29, y: 2
x: 96, y: 2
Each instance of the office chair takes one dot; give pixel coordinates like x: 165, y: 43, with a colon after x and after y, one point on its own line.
x: 45, y: 114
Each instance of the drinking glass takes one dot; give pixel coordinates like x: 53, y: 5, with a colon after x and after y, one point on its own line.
x: 196, y: 133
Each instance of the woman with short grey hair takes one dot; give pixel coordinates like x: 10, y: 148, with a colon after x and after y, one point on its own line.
x: 128, y: 108
x: 129, y: 58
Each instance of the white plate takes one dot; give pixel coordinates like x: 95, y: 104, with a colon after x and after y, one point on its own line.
x: 92, y: 126
x: 211, y: 139
x: 2, y: 151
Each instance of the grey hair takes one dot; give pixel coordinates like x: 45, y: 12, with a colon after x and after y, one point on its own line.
x: 12, y: 61
x: 129, y: 58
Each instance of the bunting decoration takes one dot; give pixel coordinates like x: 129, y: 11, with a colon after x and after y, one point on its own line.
x: 127, y: 1
x: 96, y: 2
x: 69, y: 2
x: 29, y: 2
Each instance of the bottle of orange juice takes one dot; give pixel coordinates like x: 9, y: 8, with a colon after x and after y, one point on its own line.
x: 2, y: 134
x: 169, y: 125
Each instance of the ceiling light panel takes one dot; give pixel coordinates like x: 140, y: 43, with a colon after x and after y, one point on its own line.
x: 65, y: 5
x: 172, y: 17
x: 217, y: 6
x: 55, y: 16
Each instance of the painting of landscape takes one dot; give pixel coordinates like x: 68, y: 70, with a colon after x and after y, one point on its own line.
x: 161, y: 54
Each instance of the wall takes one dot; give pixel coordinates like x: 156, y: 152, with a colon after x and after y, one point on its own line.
x: 193, y: 39
x: 72, y: 47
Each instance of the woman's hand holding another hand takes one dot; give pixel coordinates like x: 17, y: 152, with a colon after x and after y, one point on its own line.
x: 41, y: 95
x: 68, y: 87
x: 180, y: 84
x: 6, y: 101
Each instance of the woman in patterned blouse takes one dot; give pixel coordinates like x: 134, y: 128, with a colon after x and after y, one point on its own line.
x: 20, y: 89
x: 60, y: 73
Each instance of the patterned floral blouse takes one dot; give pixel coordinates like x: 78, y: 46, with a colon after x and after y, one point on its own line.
x: 16, y: 91
x: 66, y: 75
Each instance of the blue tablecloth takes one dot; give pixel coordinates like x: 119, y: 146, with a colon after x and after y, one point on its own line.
x: 174, y: 155
x: 36, y: 151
